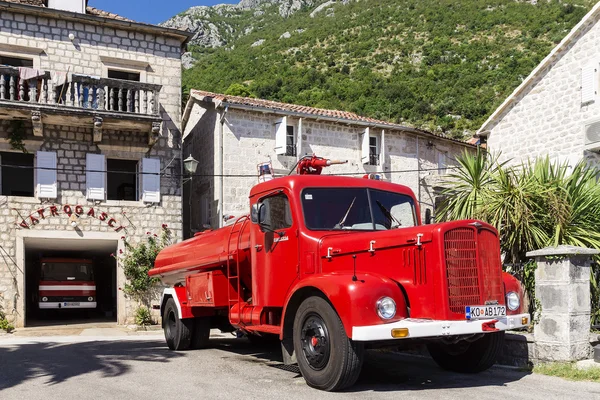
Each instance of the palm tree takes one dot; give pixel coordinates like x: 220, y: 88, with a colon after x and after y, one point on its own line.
x: 533, y: 205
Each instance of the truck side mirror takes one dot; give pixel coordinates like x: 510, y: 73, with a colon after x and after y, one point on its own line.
x: 254, y: 214
x: 258, y: 214
x: 428, y: 216
x: 262, y: 214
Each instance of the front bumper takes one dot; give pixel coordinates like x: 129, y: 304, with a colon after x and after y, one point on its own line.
x: 424, y: 328
x: 52, y: 305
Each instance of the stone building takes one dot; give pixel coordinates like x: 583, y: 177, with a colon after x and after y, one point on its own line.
x: 90, y: 146
x: 556, y: 109
x: 230, y: 136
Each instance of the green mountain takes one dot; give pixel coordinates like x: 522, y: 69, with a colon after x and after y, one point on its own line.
x: 440, y: 65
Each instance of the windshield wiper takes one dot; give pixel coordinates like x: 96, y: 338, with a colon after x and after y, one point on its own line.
x: 340, y: 224
x: 387, y: 213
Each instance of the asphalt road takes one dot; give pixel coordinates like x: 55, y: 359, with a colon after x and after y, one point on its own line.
x: 141, y: 367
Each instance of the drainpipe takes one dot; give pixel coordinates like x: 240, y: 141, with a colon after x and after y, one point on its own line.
x: 418, y: 175
x: 221, y: 165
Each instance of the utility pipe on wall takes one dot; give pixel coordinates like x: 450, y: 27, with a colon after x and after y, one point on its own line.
x: 221, y: 165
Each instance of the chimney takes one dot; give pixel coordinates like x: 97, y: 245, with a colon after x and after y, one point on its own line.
x: 77, y: 6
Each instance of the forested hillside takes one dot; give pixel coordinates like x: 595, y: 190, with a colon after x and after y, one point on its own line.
x: 442, y: 65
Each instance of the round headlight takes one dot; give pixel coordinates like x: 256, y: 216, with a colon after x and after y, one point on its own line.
x: 90, y: 298
x: 512, y: 301
x: 386, y: 308
x: 44, y: 299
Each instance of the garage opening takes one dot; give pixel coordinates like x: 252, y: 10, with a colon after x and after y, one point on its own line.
x: 70, y: 281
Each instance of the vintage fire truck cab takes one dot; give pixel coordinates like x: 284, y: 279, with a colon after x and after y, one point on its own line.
x: 66, y: 283
x: 335, y: 264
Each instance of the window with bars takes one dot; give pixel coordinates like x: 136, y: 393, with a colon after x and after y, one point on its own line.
x: 373, y: 150
x: 290, y: 142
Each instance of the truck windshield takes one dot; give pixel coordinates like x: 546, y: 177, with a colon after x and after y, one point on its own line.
x: 64, y: 271
x: 356, y: 209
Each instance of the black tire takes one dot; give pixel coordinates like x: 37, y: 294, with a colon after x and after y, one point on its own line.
x: 327, y: 358
x: 468, y: 358
x: 201, y: 334
x: 178, y: 332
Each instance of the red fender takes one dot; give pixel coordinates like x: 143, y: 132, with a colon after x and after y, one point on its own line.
x: 512, y: 284
x: 354, y: 301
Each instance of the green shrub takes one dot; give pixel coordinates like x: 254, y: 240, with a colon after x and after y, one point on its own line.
x: 137, y: 260
x: 4, y: 324
x: 143, y: 316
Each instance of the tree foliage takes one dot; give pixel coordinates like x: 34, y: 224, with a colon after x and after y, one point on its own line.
x: 440, y: 65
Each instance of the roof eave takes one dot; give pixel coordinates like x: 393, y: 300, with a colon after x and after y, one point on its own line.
x: 347, y: 121
x: 485, y: 128
x: 183, y: 36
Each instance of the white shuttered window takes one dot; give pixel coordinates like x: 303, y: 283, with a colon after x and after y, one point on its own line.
x: 281, y: 136
x: 150, y: 180
x: 95, y: 176
x: 364, y: 149
x: 45, y: 175
x: 589, y: 83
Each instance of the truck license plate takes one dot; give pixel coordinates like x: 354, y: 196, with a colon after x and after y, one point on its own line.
x: 71, y: 304
x: 479, y: 312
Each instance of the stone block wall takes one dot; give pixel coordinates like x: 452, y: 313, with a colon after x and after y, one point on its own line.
x: 97, y: 47
x: 548, y: 118
x: 71, y: 145
x: 249, y: 139
x: 94, y: 50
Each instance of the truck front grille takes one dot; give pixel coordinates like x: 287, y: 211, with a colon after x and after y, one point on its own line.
x: 473, y: 268
x: 461, y: 269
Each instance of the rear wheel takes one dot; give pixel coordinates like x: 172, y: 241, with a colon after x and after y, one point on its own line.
x: 327, y: 358
x: 473, y: 357
x: 178, y: 332
x: 201, y: 332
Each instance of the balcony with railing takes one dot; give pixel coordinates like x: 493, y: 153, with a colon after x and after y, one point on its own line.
x: 61, y: 98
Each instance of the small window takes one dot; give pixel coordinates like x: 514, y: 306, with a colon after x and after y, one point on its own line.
x: 373, y: 151
x: 16, y: 175
x: 121, y: 179
x: 15, y: 61
x: 124, y: 75
x: 277, y: 214
x: 442, y: 163
x: 290, y: 148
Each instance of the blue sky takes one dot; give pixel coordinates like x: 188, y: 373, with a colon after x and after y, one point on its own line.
x: 151, y: 11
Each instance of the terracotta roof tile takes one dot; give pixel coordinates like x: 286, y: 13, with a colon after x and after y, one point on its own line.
x: 317, y: 112
x: 105, y: 14
x: 39, y: 3
x: 89, y: 10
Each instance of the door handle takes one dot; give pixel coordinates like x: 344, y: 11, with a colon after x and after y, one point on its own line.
x: 258, y: 247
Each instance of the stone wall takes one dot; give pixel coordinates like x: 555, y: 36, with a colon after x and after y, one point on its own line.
x: 249, y: 139
x: 97, y: 47
x: 71, y: 146
x: 547, y: 118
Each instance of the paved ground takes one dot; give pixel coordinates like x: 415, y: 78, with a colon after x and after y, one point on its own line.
x: 141, y: 367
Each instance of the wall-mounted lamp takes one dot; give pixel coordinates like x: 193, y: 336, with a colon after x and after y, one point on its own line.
x: 71, y: 36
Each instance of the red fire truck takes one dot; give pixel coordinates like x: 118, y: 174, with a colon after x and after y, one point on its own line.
x: 333, y: 265
x: 67, y: 283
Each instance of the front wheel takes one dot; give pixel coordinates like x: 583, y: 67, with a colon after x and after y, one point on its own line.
x: 327, y: 358
x: 466, y: 357
x: 178, y: 332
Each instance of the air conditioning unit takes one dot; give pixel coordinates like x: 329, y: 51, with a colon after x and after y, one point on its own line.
x: 592, y: 136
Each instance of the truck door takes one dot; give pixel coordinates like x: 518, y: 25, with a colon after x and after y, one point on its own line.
x: 274, y: 250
